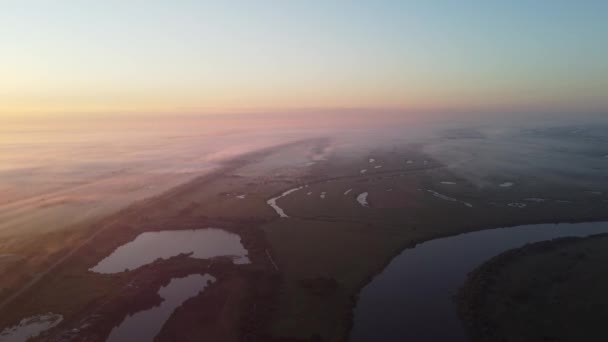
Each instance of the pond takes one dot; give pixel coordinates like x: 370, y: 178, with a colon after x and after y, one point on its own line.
x: 145, y: 325
x: 147, y: 247
x: 30, y: 327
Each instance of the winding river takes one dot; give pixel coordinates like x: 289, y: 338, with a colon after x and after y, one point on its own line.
x: 412, y: 299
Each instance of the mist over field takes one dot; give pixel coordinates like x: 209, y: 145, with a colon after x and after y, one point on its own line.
x: 87, y: 187
x: 74, y: 169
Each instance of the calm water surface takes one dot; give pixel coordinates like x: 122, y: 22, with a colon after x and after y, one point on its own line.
x: 143, y: 326
x: 412, y: 299
x: 147, y: 247
x: 30, y: 327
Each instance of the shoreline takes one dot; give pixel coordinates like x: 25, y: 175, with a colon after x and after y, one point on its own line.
x: 205, y: 202
x: 414, y: 244
x: 131, y: 209
x: 472, y: 296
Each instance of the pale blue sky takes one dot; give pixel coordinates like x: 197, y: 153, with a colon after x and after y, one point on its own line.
x: 192, y: 55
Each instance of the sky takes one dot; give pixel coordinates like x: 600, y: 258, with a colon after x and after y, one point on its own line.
x: 132, y: 56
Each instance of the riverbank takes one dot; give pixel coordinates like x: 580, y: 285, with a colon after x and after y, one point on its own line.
x: 343, y: 243
x: 415, y: 291
x: 551, y: 290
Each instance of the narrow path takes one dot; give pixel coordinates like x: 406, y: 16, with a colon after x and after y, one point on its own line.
x: 53, y: 266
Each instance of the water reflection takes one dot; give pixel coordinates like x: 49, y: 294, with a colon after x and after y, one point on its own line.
x: 145, y: 325
x: 30, y: 327
x: 149, y: 246
x: 412, y: 299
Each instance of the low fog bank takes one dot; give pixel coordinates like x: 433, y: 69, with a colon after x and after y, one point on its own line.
x: 568, y: 151
x: 65, y: 172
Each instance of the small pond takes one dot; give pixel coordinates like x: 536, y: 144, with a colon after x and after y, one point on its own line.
x: 147, y: 247
x: 30, y: 327
x: 143, y: 326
